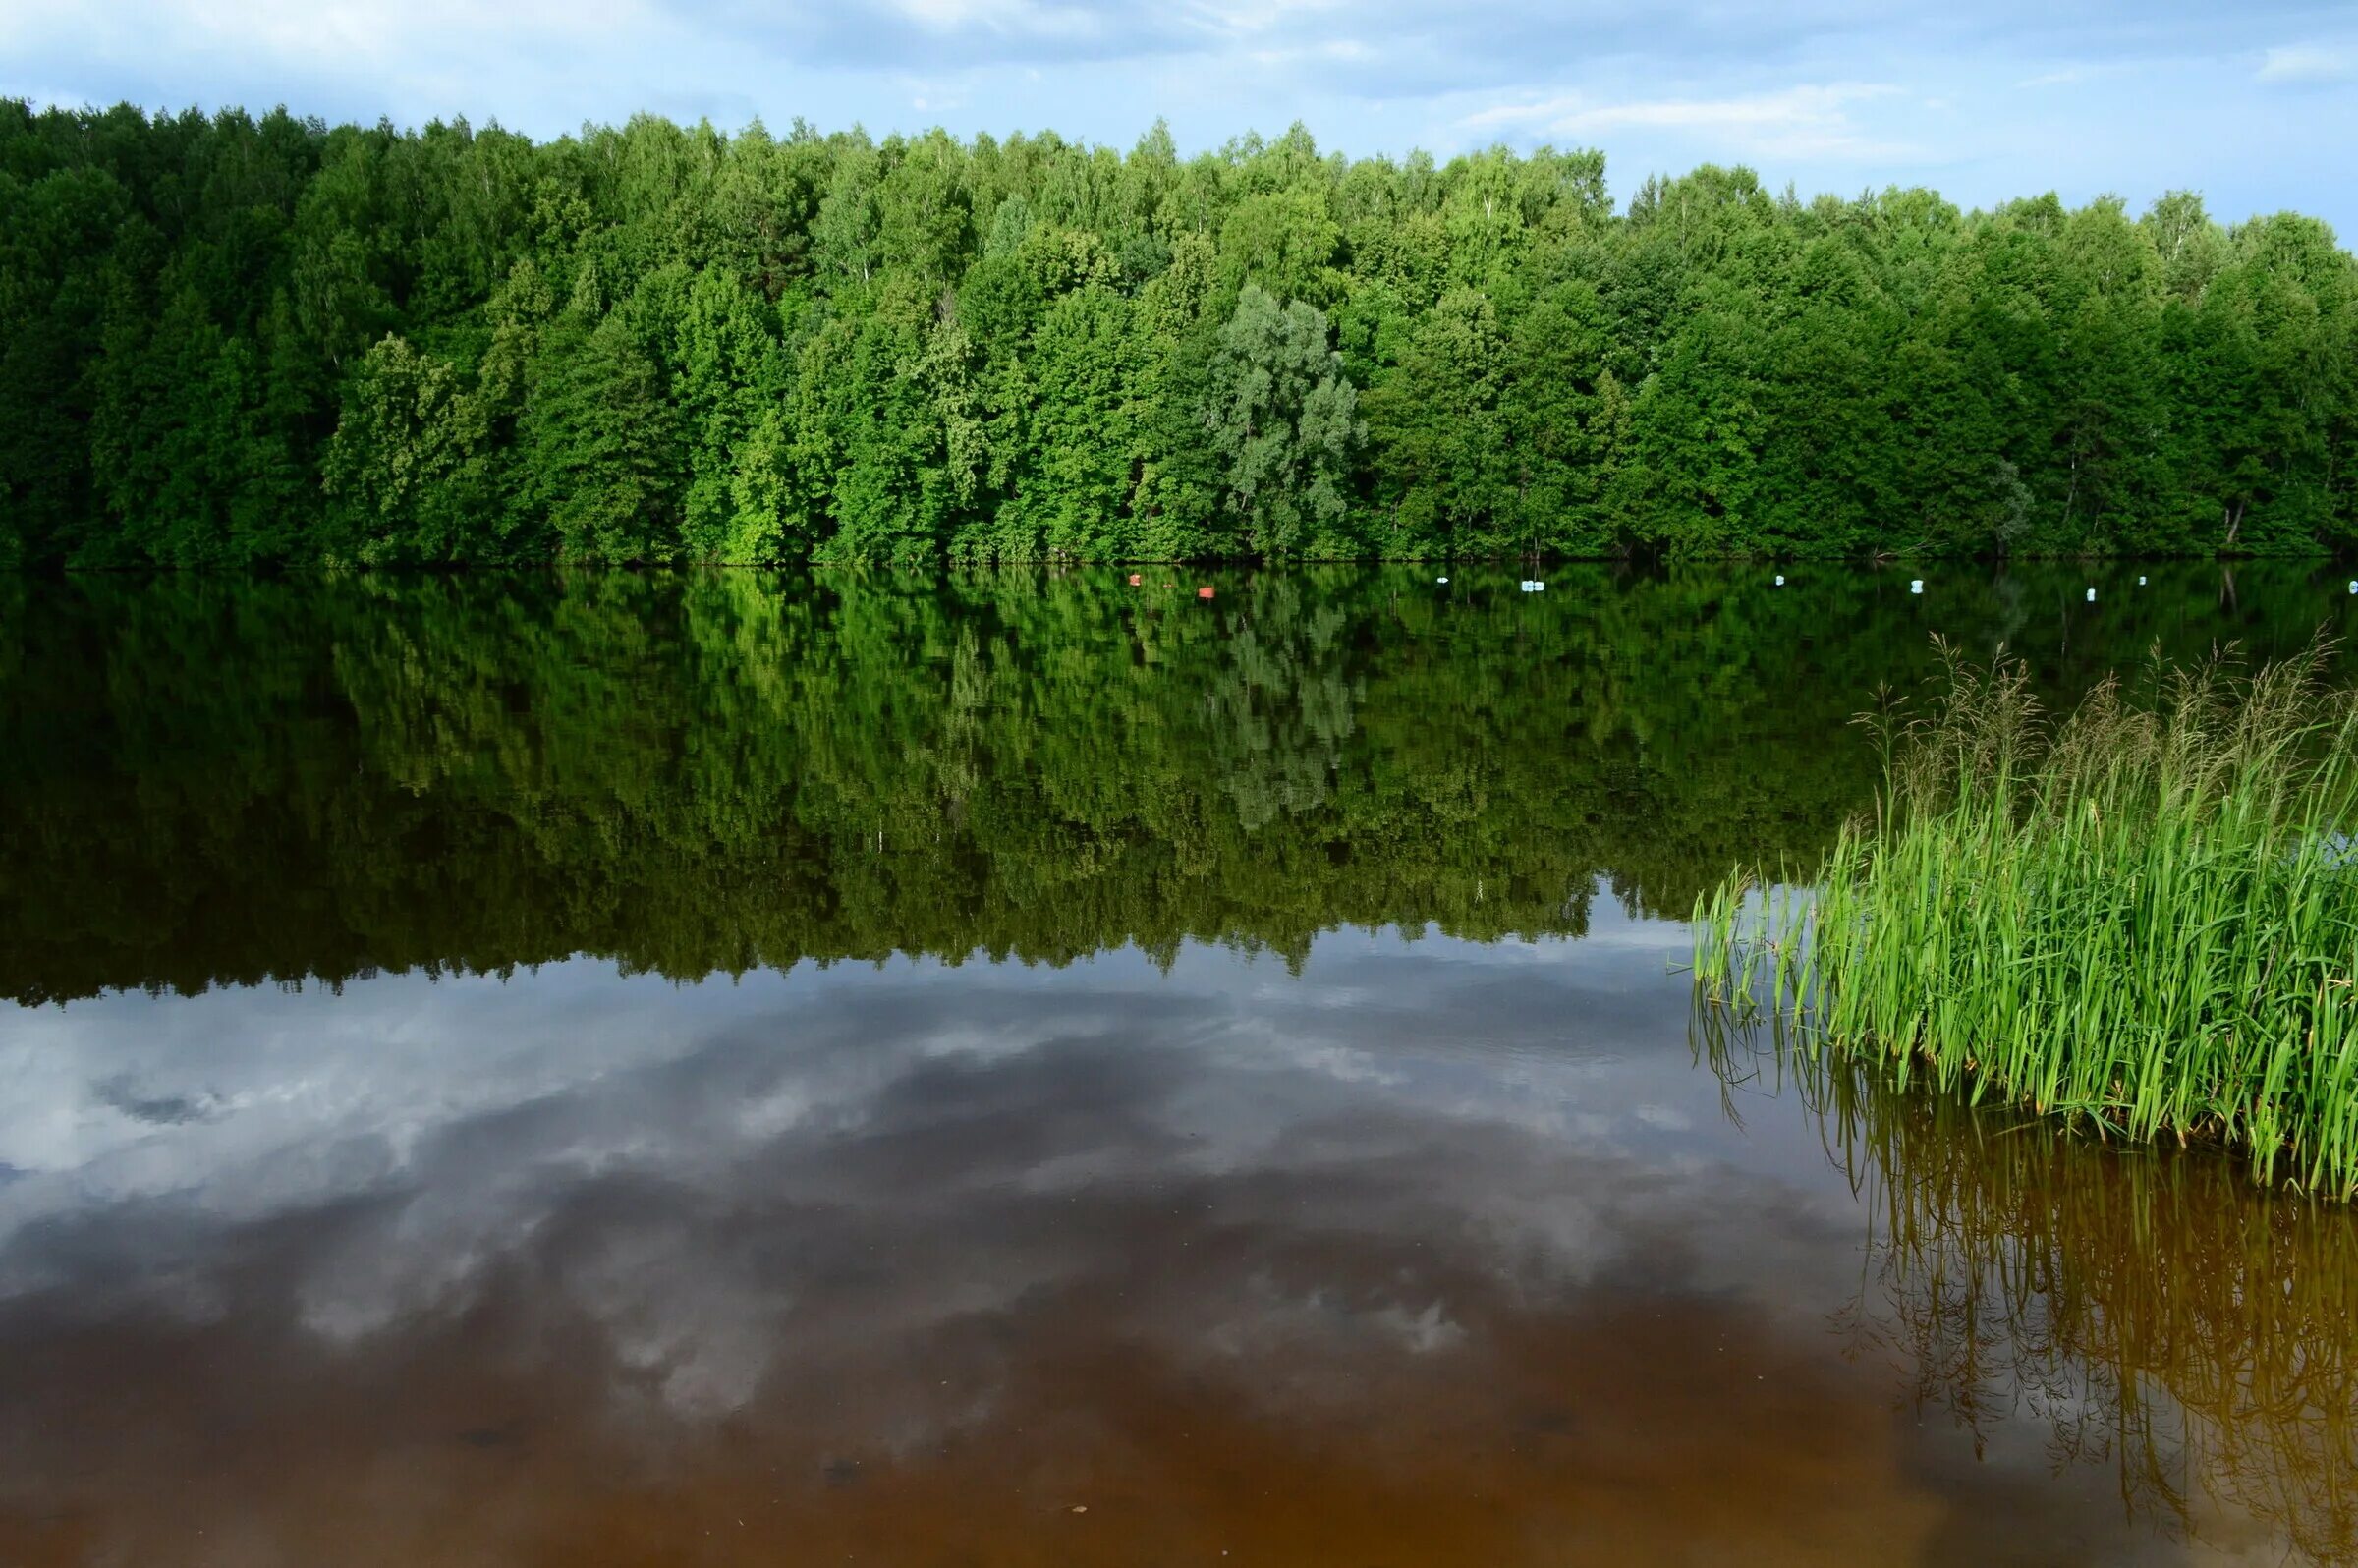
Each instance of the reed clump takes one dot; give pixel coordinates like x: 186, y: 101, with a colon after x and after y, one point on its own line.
x: 2141, y: 917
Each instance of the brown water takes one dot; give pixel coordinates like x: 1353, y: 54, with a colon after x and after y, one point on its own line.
x: 642, y: 1071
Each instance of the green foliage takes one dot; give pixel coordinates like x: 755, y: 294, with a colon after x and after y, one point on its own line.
x: 1284, y: 419
x: 601, y: 440
x: 405, y: 470
x: 2144, y: 918
x: 229, y: 341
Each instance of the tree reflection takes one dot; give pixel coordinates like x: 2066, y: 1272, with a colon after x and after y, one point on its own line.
x: 210, y: 780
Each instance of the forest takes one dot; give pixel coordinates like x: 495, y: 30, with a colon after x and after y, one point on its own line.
x: 231, y: 340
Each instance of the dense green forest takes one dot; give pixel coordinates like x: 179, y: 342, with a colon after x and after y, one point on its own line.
x: 212, y: 779
x: 230, y: 340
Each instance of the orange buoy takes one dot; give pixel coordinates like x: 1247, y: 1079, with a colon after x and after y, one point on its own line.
x: 1203, y: 593
x: 1134, y: 580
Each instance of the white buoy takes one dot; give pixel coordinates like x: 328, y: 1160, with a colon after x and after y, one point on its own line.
x: 1533, y: 586
x: 1441, y: 580
x: 2141, y: 582
x: 1916, y: 584
x: 1781, y: 580
x: 2354, y: 588
x: 2091, y: 595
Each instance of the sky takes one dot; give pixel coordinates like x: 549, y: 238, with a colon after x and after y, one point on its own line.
x: 2254, y: 104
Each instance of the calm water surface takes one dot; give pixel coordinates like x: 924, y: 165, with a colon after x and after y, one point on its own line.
x: 1010, y: 1070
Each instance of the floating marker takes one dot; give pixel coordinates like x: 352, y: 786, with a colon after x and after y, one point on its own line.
x: 2141, y: 582
x: 2354, y: 588
x: 2091, y: 595
x: 1134, y: 578
x: 1203, y: 593
x: 1533, y: 585
x: 1781, y: 580
x: 1916, y: 584
x: 1444, y: 581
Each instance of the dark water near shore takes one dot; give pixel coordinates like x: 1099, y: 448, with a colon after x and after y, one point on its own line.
x: 618, y: 1070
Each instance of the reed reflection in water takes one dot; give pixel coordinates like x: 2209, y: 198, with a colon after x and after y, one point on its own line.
x: 2169, y: 1321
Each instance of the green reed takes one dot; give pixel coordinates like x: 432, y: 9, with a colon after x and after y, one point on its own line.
x: 2142, y: 917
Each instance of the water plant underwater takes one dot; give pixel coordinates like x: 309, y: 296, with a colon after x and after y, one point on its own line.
x: 2141, y: 917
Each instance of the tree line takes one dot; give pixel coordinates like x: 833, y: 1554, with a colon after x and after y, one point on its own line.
x: 228, y: 340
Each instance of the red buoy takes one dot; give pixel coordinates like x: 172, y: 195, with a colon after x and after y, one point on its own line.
x: 1203, y: 593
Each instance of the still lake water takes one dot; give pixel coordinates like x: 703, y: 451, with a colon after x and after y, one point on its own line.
x: 1021, y: 1069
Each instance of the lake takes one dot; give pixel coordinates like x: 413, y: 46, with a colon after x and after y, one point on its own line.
x: 1026, y: 1068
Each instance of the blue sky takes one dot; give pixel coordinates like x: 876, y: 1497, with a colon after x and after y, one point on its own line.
x: 2254, y: 104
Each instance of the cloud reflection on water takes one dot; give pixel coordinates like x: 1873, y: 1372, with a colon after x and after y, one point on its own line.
x: 1436, y: 1251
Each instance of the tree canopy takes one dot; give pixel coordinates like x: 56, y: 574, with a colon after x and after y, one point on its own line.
x: 232, y: 339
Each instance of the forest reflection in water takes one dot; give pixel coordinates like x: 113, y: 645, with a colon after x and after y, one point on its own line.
x: 696, y: 772
x: 2190, y: 1336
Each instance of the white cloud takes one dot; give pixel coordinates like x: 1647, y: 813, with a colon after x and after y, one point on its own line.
x: 1005, y: 18
x: 2304, y: 62
x: 1806, y: 121
x: 1226, y: 19
x: 347, y: 34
